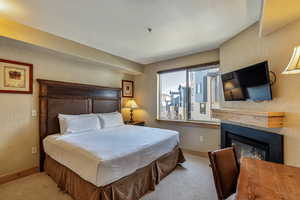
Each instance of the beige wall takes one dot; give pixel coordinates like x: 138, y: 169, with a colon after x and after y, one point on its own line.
x: 274, y: 17
x: 247, y: 48
x: 20, y: 32
x: 146, y: 95
x: 18, y: 130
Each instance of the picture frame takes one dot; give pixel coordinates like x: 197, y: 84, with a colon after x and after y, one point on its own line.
x: 16, y: 77
x: 127, y: 89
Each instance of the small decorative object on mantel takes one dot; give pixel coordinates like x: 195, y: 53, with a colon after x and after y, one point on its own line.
x: 127, y: 89
x: 132, y: 105
x: 294, y: 64
x: 15, y: 77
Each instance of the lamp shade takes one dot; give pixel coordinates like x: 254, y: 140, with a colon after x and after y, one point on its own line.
x: 131, y: 104
x: 229, y: 85
x: 294, y: 64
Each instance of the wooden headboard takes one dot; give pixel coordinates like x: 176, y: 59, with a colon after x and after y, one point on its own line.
x: 71, y: 98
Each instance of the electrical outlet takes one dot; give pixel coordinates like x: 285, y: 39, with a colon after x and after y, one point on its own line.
x: 33, y: 113
x: 201, y: 138
x: 33, y: 150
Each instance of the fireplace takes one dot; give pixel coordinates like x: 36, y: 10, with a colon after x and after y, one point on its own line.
x: 254, y: 143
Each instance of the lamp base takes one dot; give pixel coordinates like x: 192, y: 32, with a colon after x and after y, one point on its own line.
x: 131, y: 115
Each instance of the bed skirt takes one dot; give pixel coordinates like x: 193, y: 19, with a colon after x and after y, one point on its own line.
x: 131, y: 187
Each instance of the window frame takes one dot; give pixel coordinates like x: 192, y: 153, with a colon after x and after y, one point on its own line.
x: 186, y: 120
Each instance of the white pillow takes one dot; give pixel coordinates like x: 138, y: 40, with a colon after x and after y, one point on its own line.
x: 80, y: 124
x: 62, y: 120
x: 111, y: 119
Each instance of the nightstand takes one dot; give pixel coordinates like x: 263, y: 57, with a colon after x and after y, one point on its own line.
x: 136, y: 123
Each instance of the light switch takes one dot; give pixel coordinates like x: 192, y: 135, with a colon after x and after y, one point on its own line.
x: 33, y: 150
x: 33, y: 113
x: 201, y: 138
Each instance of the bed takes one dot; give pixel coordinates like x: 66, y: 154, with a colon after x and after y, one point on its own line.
x: 117, y: 163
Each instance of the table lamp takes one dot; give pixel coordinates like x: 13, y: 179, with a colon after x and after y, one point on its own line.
x: 132, y: 105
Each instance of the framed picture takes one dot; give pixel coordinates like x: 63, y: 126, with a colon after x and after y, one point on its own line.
x: 15, y: 77
x: 127, y: 88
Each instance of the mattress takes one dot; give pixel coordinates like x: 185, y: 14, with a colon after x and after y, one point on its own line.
x: 104, y: 156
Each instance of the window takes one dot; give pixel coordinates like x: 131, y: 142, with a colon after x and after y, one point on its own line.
x: 188, y: 94
x: 172, y: 95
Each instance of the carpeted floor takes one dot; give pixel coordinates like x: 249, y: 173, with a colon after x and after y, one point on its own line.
x: 192, y: 181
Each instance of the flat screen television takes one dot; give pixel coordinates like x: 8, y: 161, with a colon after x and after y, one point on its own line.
x: 252, y: 83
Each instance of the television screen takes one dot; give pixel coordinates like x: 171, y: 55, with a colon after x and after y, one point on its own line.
x: 248, y: 83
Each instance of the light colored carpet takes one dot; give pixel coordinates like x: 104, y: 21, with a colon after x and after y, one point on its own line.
x: 192, y: 181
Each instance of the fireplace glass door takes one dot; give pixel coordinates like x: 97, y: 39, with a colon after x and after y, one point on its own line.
x: 246, y: 147
x: 245, y: 150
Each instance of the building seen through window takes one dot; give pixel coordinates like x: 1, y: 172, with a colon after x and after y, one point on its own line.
x: 189, y: 94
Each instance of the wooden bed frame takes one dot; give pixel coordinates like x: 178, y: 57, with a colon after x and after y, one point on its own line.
x: 71, y: 98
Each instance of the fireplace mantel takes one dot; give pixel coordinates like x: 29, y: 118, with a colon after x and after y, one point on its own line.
x: 261, y: 119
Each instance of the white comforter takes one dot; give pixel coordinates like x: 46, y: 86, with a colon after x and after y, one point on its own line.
x: 102, y: 157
